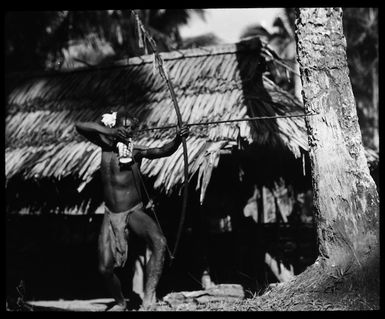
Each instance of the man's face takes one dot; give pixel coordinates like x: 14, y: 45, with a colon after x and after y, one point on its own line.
x: 126, y: 123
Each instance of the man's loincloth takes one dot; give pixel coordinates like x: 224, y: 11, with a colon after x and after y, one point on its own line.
x: 118, y: 233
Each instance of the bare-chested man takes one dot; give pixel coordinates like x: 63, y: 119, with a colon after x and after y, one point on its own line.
x: 124, y: 210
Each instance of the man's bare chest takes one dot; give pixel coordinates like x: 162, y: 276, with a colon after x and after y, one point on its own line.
x: 113, y: 171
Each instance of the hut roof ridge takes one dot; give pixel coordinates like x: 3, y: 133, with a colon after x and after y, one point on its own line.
x: 211, y: 50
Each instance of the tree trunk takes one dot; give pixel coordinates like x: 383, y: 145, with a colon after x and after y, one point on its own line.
x: 345, y: 196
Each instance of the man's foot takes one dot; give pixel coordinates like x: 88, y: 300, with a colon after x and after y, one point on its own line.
x: 118, y: 308
x: 149, y: 303
x: 148, y: 307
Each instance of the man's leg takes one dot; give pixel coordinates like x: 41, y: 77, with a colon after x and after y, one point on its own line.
x: 138, y: 279
x: 106, y: 264
x: 144, y: 227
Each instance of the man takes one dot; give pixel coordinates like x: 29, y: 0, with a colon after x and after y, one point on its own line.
x: 124, y: 209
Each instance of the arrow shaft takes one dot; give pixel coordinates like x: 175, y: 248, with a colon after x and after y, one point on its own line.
x: 226, y: 121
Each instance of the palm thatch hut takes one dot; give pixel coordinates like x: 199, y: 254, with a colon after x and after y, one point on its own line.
x: 213, y: 83
x: 221, y: 82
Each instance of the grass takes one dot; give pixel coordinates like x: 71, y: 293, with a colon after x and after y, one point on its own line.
x: 318, y: 288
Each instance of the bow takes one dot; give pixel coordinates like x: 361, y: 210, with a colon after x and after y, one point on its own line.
x: 143, y: 32
x: 185, y: 158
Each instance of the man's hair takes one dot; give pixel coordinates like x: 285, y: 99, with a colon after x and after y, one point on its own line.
x: 125, y: 114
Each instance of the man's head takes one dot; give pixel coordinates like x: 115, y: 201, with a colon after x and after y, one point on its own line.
x: 125, y: 119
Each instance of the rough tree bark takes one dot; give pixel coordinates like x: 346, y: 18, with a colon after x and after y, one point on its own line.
x: 345, y: 196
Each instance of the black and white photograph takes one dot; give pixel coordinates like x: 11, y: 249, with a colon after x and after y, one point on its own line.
x: 192, y: 160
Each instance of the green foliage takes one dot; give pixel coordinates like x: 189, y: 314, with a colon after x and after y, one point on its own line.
x: 361, y: 32
x: 28, y: 38
x: 281, y: 40
x: 207, y: 39
x: 39, y: 40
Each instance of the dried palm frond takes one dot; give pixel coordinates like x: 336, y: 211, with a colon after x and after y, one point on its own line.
x: 212, y: 83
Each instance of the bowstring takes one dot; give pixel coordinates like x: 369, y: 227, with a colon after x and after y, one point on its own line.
x: 152, y: 208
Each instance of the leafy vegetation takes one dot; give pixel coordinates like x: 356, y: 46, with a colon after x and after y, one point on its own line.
x: 65, y: 39
x: 361, y: 32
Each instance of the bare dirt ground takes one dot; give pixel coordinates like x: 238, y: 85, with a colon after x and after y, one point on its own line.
x: 313, y: 291
x: 316, y: 289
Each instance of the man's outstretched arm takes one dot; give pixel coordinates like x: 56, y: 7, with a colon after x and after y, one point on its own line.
x: 168, y: 148
x: 101, y: 135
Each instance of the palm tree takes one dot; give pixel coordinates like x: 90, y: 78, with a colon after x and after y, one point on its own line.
x: 57, y: 39
x: 346, y: 201
x: 200, y: 41
x: 281, y: 39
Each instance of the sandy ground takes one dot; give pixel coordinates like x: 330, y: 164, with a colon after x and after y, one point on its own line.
x: 94, y: 305
x: 316, y: 289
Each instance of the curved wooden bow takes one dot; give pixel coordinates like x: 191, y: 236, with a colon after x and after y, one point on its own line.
x: 142, y: 31
x: 185, y: 182
x: 165, y: 75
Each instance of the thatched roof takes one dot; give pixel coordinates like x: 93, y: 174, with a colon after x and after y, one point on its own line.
x: 211, y: 83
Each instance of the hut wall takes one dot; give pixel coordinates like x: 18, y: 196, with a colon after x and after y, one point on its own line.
x: 56, y: 256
